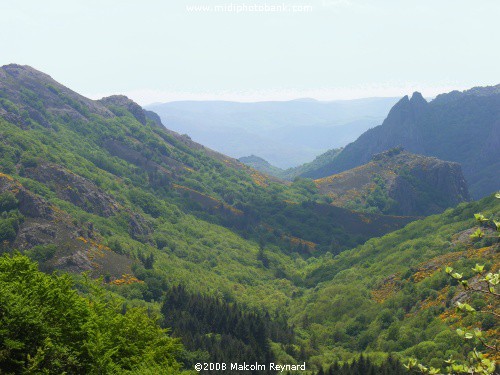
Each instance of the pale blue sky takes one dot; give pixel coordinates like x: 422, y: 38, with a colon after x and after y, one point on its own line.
x: 155, y: 50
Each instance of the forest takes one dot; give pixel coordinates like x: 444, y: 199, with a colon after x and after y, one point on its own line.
x: 127, y: 248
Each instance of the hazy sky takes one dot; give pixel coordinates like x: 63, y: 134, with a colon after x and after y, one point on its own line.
x: 158, y: 50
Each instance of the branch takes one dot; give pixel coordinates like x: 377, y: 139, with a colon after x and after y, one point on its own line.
x: 489, y: 312
x: 491, y: 347
x: 485, y: 291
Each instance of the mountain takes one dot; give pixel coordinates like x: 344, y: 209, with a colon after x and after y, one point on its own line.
x: 462, y: 127
x: 398, y: 182
x: 101, y: 179
x: 286, y: 134
x: 239, y: 266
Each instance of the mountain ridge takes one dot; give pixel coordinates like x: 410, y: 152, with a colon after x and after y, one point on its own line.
x: 446, y: 128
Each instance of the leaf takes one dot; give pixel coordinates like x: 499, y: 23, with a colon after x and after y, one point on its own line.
x: 477, y: 234
x: 497, y: 224
x: 481, y: 218
x: 465, y: 307
x: 449, y: 270
x: 478, y: 268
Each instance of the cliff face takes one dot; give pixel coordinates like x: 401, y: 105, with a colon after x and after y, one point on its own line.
x: 462, y: 127
x: 398, y: 182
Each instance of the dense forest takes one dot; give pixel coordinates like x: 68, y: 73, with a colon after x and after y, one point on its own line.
x: 128, y: 248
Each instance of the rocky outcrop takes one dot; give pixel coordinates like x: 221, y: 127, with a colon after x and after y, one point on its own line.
x: 77, y: 248
x: 85, y: 194
x: 428, y: 187
x: 398, y: 182
x: 128, y: 104
x: 153, y: 116
x: 75, y: 189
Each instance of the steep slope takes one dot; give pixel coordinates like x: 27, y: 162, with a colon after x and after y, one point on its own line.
x: 111, y: 187
x: 462, y: 127
x: 398, y: 182
x: 392, y: 293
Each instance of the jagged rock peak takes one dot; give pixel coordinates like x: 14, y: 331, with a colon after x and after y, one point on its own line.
x: 128, y: 104
x: 417, y: 98
x: 403, y: 102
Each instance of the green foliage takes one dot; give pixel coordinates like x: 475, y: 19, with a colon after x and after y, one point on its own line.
x: 47, y: 327
x: 8, y: 202
x: 235, y: 241
x: 42, y: 253
x: 477, y: 363
x: 9, y: 225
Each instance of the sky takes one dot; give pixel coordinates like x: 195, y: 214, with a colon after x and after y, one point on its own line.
x: 252, y: 50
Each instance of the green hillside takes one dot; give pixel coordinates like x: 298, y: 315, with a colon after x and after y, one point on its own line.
x: 392, y: 293
x: 239, y: 266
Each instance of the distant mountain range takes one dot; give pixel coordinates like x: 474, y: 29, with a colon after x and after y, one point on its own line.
x: 462, y: 127
x: 287, y: 133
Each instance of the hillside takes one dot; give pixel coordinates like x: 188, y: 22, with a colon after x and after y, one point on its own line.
x: 392, y: 293
x: 285, y: 133
x: 461, y: 127
x: 398, y: 182
x: 239, y: 265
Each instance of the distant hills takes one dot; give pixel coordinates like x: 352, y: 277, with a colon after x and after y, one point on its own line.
x: 290, y: 174
x: 462, y: 127
x: 286, y: 134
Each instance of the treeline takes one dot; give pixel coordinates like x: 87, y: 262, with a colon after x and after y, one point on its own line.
x: 364, y: 366
x: 222, y: 332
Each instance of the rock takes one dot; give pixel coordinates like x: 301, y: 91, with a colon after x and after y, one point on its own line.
x: 75, y: 189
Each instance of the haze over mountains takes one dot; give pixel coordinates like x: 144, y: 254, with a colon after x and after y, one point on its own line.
x: 286, y: 134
